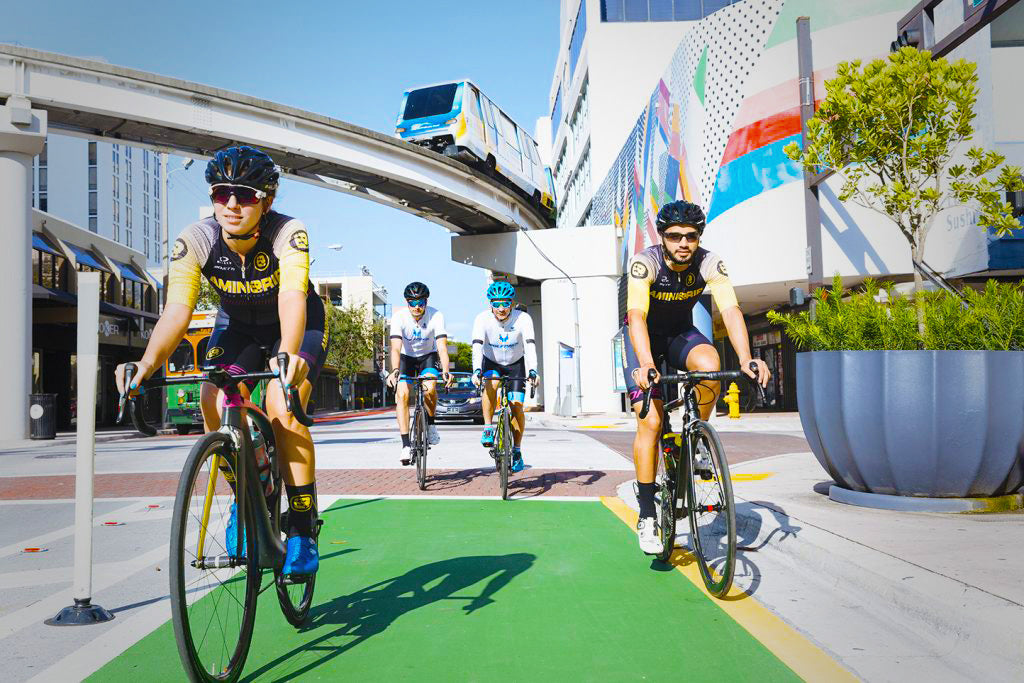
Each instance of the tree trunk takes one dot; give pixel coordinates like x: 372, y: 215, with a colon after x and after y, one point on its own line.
x: 918, y: 290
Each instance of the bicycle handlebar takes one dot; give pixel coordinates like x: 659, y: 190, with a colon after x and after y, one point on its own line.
x: 507, y: 378
x: 694, y: 378
x: 218, y: 377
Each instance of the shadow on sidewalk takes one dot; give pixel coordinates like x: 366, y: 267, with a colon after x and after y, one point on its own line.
x: 531, y: 487
x: 371, y: 610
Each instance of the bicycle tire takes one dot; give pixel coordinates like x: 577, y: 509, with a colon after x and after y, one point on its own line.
x: 420, y: 447
x: 667, y: 489
x: 205, y: 448
x: 716, y: 567
x: 504, y: 452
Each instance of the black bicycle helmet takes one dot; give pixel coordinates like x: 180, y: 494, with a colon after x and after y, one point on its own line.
x: 243, y: 165
x: 680, y: 213
x: 416, y: 290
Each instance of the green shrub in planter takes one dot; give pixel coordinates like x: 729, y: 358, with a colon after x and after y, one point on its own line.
x: 876, y: 318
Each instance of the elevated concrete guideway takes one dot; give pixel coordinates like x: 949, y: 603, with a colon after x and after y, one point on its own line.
x: 101, y: 101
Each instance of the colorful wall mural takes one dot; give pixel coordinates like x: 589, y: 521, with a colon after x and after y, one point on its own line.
x: 714, y: 129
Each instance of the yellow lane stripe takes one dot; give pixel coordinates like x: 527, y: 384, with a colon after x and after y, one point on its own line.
x: 750, y: 476
x: 805, y: 658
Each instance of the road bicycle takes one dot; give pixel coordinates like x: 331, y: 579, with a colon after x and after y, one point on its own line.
x: 501, y: 451
x: 419, y: 444
x: 216, y: 566
x: 693, y: 481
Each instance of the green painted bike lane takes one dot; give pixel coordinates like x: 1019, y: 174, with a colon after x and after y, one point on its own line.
x: 474, y: 590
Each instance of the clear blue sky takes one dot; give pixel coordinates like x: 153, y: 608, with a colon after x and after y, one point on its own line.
x: 347, y: 59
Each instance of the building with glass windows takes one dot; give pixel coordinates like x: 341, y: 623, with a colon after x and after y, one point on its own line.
x: 113, y: 190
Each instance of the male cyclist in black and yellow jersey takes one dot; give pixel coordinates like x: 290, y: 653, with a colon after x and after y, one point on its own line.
x: 664, y: 283
x: 258, y: 262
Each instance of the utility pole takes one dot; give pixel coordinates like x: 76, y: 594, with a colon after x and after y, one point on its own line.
x: 812, y: 208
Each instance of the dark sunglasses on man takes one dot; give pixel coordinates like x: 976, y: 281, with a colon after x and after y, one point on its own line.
x: 675, y: 237
x: 416, y: 303
x: 245, y: 195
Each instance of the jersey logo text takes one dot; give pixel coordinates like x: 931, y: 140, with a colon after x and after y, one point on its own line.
x: 260, y: 286
x: 262, y: 261
x: 300, y: 241
x: 675, y: 296
x: 180, y: 249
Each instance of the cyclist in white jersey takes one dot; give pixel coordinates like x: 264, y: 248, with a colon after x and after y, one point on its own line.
x: 419, y: 348
x: 504, y: 346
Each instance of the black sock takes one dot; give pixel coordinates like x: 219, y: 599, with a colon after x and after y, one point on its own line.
x: 301, y: 504
x: 430, y: 419
x: 645, y: 496
x: 405, y: 441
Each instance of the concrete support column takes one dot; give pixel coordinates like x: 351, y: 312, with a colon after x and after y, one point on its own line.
x: 22, y: 135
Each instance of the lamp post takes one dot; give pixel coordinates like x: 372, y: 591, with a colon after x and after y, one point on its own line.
x: 164, y: 201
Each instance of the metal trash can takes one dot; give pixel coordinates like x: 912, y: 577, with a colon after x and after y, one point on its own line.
x: 42, y: 412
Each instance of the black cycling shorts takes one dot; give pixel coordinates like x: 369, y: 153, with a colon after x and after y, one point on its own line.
x: 417, y: 366
x: 674, y: 350
x: 516, y: 388
x: 242, y: 348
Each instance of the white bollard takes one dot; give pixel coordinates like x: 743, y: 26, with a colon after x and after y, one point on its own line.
x: 83, y: 611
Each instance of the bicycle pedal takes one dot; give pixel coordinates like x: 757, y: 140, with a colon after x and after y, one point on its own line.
x: 295, y: 579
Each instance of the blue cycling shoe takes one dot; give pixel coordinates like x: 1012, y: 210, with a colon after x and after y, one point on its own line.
x: 517, y: 461
x: 231, y: 534
x: 302, y: 556
x: 487, y: 438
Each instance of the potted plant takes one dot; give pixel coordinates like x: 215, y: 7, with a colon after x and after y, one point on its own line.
x: 896, y: 397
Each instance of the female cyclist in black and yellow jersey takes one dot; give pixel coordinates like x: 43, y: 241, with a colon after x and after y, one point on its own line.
x: 258, y: 262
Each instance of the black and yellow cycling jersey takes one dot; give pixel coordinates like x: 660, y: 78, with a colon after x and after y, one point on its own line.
x: 668, y: 296
x: 248, y: 288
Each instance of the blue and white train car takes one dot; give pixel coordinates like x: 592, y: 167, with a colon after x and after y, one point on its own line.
x: 455, y: 119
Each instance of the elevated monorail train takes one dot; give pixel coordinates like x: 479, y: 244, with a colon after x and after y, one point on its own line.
x: 455, y: 119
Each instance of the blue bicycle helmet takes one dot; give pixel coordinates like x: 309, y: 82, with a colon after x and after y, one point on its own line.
x: 500, y: 290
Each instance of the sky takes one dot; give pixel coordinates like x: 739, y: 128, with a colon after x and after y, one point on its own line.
x: 347, y: 59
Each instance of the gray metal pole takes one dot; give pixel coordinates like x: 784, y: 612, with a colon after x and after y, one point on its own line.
x: 812, y: 207
x: 165, y: 257
x: 83, y: 611
x: 22, y: 136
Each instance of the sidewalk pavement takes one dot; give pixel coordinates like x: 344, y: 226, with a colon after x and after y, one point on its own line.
x: 122, y: 433
x: 783, y: 423
x: 909, y: 596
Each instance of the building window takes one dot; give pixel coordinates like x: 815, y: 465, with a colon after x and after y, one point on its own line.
x: 41, y: 179
x: 49, y: 270
x: 145, y: 236
x: 660, y: 10
x: 116, y: 219
x: 556, y: 112
x: 579, y: 30
x: 108, y: 292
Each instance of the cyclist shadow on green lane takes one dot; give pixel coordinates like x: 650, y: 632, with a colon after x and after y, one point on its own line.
x: 359, y: 616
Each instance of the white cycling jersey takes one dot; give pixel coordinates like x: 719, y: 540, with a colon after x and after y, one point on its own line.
x: 419, y: 337
x: 504, y: 342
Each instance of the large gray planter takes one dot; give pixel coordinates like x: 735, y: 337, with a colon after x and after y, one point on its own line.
x: 916, y: 423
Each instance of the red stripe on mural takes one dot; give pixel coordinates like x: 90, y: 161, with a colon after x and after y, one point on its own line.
x: 761, y: 133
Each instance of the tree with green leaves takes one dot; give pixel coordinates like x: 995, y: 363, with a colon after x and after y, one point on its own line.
x: 893, y: 131
x: 208, y: 296
x: 351, y: 342
x: 463, y: 357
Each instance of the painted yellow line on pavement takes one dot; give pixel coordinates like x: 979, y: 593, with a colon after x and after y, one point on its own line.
x: 805, y: 658
x: 751, y: 476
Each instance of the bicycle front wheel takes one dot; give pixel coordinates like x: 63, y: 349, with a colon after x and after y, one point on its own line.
x: 712, y: 510
x: 420, y: 447
x: 503, y: 443
x: 294, y: 597
x: 213, y: 590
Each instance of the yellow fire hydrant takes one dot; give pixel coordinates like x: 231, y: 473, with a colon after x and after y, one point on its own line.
x: 732, y: 398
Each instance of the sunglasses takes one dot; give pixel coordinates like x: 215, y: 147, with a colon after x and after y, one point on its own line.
x: 246, y: 196
x: 675, y: 237
x: 503, y: 303
x: 416, y: 303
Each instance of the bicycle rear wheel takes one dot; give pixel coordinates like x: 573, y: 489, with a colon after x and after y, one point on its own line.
x: 666, y: 479
x: 712, y: 510
x: 213, y: 593
x: 503, y: 444
x: 420, y: 447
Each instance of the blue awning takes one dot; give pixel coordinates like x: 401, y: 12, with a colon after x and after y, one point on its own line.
x: 85, y: 258
x: 42, y: 244
x: 129, y: 272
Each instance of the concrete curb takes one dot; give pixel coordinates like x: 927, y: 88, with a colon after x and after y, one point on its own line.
x: 881, y: 501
